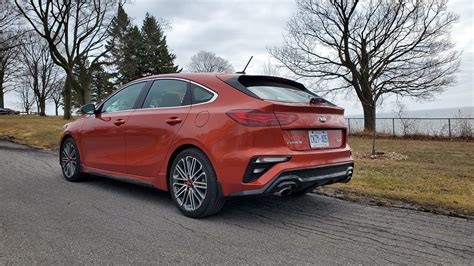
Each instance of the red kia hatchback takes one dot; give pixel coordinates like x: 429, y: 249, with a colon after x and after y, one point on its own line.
x: 206, y: 137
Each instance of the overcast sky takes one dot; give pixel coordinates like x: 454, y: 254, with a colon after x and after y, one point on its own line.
x: 238, y: 29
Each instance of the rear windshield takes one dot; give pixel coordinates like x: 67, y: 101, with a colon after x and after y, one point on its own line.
x: 275, y: 89
x: 281, y: 94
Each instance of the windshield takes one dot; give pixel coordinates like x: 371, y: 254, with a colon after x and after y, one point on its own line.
x: 282, y: 94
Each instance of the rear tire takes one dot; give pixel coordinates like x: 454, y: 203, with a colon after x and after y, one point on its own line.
x: 70, y: 161
x: 193, y: 184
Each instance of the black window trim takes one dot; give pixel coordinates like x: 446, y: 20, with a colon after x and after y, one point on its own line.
x: 137, y: 101
x: 189, y: 82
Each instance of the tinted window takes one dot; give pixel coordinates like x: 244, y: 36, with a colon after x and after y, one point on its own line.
x: 167, y: 93
x: 124, y: 99
x: 201, y: 95
x: 281, y: 94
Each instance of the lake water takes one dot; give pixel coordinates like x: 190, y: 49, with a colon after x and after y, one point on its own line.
x: 441, y: 122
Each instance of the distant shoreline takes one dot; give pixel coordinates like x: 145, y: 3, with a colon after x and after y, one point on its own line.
x: 463, y: 112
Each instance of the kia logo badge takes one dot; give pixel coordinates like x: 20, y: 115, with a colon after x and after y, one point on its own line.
x: 322, y: 119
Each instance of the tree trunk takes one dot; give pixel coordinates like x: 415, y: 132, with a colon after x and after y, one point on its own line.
x: 369, y: 116
x: 56, y: 106
x: 42, y: 106
x: 87, y: 93
x: 67, y: 97
x: 1, y: 96
x: 2, y: 93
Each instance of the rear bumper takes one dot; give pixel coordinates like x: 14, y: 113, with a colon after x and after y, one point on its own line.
x: 303, y: 178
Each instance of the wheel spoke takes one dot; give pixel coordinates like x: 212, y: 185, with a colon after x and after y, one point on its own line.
x: 181, y: 172
x: 64, y: 154
x: 193, y: 165
x: 193, y: 204
x: 201, y: 185
x: 199, y: 195
x: 68, y: 169
x: 196, y: 178
x: 186, y: 198
x: 185, y: 166
x: 180, y: 191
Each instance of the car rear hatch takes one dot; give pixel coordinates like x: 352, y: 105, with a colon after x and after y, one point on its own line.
x: 308, y: 122
x: 316, y: 126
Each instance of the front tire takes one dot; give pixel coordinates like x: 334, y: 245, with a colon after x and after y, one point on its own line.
x: 193, y: 184
x: 70, y: 161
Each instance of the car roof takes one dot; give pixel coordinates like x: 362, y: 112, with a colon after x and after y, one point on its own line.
x: 189, y: 76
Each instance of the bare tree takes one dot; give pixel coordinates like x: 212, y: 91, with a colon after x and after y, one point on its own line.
x: 8, y: 19
x: 8, y: 34
x: 270, y: 69
x: 205, y: 61
x: 75, y: 31
x: 27, y: 98
x: 373, y: 47
x: 37, y: 69
x: 407, y: 124
x: 5, y: 72
x: 57, y: 95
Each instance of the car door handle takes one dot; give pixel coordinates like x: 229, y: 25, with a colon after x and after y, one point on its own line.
x: 174, y: 120
x: 119, y: 122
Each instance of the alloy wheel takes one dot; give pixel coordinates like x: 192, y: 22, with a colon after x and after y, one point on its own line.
x: 189, y: 183
x: 69, y: 159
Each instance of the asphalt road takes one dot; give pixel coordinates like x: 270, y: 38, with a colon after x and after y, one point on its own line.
x: 44, y: 219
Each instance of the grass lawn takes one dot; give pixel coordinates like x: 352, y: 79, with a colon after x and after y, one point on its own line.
x: 40, y: 132
x: 436, y: 175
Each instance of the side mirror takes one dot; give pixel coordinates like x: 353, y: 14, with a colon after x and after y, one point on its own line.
x: 88, y: 109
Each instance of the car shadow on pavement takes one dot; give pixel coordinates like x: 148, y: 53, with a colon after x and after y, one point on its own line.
x: 235, y: 207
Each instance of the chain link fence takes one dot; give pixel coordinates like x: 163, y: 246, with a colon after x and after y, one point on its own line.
x: 439, y: 127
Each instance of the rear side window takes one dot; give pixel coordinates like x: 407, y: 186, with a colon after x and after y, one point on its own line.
x: 200, y: 95
x: 167, y: 93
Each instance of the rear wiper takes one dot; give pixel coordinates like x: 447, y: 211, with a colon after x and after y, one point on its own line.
x: 317, y: 100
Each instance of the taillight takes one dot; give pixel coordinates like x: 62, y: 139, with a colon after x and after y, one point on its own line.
x: 285, y: 118
x: 256, y: 118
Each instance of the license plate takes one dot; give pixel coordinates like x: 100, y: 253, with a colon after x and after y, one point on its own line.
x: 318, y: 139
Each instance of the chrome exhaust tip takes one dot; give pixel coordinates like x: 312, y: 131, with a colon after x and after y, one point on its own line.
x: 285, y: 190
x: 349, y: 173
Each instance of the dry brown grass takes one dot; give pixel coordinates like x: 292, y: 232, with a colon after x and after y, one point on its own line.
x: 40, y: 132
x: 432, y: 174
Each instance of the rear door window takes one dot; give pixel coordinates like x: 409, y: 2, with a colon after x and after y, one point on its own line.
x: 167, y: 93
